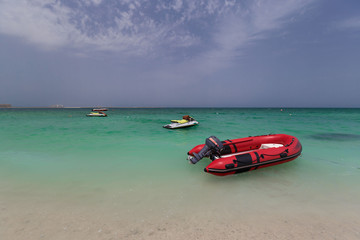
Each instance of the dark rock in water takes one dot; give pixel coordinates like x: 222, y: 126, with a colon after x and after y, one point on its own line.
x: 336, y: 136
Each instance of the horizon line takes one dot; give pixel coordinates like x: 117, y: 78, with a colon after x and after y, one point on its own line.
x: 157, y: 107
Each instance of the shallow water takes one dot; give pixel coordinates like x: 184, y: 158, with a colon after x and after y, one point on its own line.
x: 130, y: 167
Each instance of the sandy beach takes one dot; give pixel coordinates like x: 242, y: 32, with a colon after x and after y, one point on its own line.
x: 43, y: 219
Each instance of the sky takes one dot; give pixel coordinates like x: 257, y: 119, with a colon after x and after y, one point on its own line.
x: 180, y: 53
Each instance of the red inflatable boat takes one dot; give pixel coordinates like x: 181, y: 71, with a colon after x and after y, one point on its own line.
x: 246, y: 154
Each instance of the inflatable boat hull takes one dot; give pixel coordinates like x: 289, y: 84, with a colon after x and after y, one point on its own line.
x: 251, y: 153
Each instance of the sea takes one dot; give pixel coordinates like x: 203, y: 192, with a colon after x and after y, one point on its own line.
x: 61, y: 170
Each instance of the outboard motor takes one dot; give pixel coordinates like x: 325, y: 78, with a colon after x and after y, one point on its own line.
x: 212, y: 147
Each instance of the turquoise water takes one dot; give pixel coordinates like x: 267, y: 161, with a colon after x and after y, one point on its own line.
x: 128, y: 162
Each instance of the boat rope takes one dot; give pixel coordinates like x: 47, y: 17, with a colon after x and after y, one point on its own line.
x: 292, y: 141
x: 282, y: 154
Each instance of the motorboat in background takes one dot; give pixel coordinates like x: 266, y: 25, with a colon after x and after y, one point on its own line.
x: 96, y: 114
x: 99, y: 109
x: 186, y: 121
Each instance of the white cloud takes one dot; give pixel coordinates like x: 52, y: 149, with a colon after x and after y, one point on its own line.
x: 243, y: 27
x: 92, y: 2
x: 35, y: 22
x: 351, y: 23
x: 177, y: 5
x: 52, y: 24
x: 141, y: 27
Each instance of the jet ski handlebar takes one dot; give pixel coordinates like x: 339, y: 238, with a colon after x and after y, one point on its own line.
x: 213, y: 146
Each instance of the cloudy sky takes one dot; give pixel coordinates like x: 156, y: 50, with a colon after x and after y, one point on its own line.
x: 180, y: 53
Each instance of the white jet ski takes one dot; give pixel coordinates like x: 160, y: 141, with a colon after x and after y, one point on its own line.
x: 96, y: 114
x: 187, y: 121
x: 181, y: 125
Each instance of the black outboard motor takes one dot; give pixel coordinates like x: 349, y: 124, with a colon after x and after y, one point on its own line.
x: 212, y: 147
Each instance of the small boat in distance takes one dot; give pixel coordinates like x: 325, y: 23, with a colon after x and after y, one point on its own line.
x: 99, y: 109
x: 96, y: 114
x: 187, y: 121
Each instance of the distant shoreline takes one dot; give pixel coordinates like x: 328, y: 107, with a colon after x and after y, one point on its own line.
x: 181, y: 107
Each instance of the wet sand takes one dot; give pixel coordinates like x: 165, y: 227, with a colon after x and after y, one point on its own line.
x: 21, y: 219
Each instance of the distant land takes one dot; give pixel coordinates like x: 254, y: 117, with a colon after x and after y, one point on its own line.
x: 5, y: 105
x: 114, y: 107
x: 57, y: 106
x: 62, y: 106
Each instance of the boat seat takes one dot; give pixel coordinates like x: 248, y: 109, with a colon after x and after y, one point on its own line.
x: 270, y: 145
x: 179, y: 121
